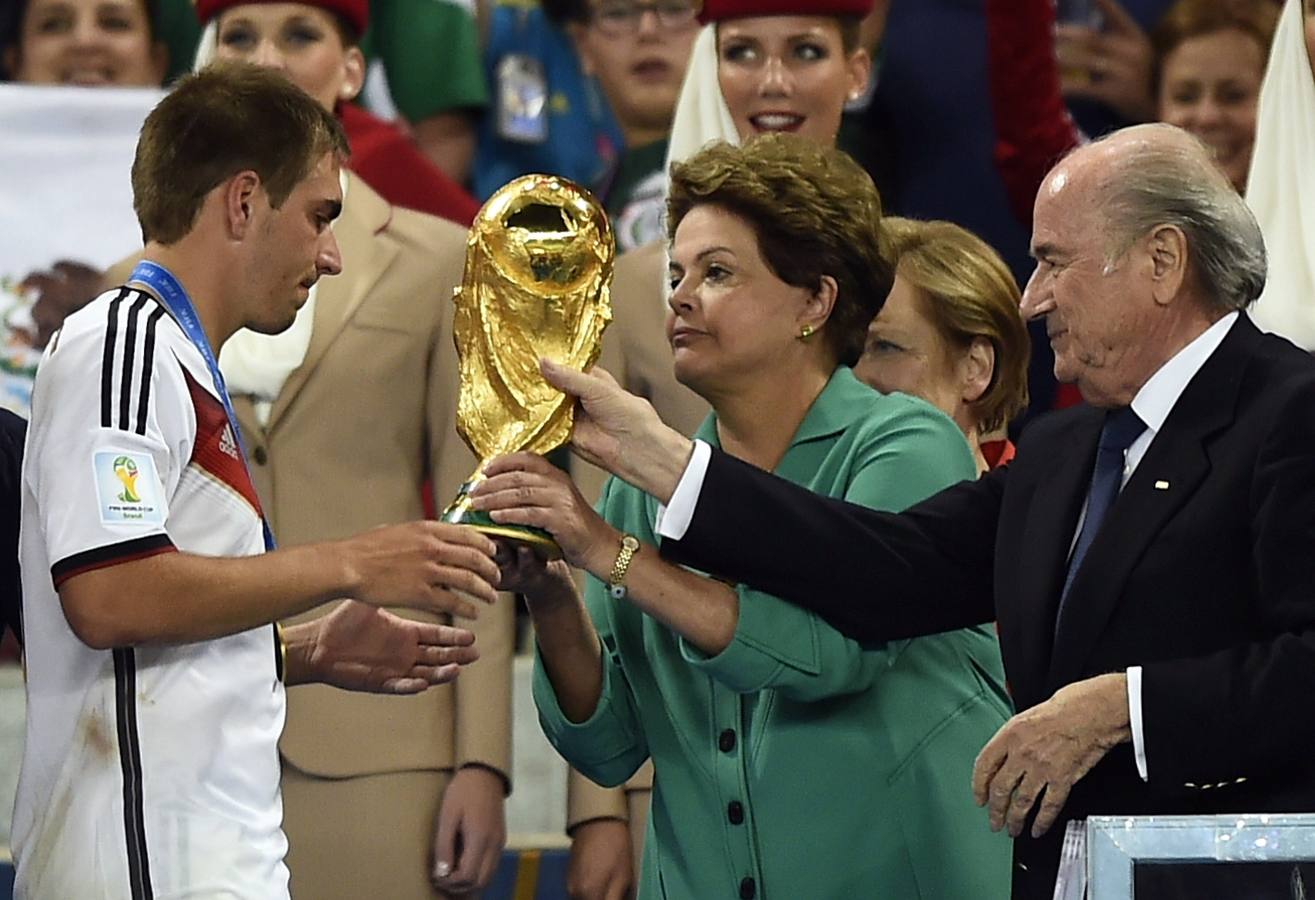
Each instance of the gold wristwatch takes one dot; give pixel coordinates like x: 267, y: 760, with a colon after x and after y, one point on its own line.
x: 616, y: 582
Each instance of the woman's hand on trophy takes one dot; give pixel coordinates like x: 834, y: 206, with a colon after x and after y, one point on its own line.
x: 526, y: 489
x: 620, y: 432
x: 538, y: 580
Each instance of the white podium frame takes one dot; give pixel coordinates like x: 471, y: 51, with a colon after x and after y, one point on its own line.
x: 1116, y: 843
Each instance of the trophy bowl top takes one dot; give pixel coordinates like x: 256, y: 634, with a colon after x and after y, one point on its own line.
x: 546, y: 235
x: 536, y: 284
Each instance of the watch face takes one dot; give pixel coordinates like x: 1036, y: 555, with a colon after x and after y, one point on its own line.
x: 630, y: 542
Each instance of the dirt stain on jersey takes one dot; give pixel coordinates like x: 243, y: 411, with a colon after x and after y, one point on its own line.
x: 97, y: 736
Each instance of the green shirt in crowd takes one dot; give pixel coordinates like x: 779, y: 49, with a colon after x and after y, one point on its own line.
x: 797, y: 763
x: 429, y: 48
x: 637, y: 196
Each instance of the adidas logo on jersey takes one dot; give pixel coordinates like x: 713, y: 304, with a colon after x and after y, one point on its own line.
x: 227, y: 443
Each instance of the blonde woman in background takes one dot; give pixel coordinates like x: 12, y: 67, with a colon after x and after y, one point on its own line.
x: 951, y: 333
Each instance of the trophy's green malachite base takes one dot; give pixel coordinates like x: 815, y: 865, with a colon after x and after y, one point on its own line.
x: 538, y: 540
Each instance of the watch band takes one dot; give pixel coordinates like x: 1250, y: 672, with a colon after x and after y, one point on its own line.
x: 616, y: 581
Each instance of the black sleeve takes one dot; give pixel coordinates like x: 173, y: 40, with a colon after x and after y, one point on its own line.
x: 875, y: 576
x: 12, y: 431
x: 1241, y: 712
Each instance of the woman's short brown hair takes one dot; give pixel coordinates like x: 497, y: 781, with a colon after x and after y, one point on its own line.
x: 970, y: 294
x: 228, y: 118
x: 814, y: 211
x: 1189, y: 19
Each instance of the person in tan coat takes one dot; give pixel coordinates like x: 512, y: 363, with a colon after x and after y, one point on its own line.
x: 348, y: 442
x: 397, y: 800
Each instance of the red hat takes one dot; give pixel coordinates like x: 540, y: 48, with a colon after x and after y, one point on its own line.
x: 717, y: 10
x: 356, y: 12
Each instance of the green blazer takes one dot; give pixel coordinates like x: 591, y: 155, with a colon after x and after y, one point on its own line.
x: 796, y: 758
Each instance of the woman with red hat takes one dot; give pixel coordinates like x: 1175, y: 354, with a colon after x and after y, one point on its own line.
x: 780, y: 65
x: 398, y: 798
x: 323, y: 57
x: 758, y: 66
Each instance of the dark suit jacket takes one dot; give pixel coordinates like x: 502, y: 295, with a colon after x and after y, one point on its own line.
x: 13, y: 429
x: 1204, y: 574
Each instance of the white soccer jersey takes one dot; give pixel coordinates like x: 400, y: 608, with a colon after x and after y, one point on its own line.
x: 148, y: 771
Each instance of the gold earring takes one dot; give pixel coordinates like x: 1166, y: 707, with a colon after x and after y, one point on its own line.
x: 806, y: 332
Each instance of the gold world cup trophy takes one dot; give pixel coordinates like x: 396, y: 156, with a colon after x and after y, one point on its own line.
x: 538, y: 272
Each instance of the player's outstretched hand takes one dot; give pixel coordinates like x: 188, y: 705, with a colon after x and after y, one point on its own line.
x: 426, y: 565
x: 359, y: 647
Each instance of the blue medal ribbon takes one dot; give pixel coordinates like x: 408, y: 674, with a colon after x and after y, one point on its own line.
x: 169, y: 292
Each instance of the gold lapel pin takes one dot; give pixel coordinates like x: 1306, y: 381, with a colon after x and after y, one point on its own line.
x: 1162, y: 485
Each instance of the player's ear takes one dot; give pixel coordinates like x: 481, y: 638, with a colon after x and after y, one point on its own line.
x: 240, y: 197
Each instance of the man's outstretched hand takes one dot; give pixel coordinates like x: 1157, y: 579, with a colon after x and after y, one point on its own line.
x: 359, y: 647
x: 619, y: 432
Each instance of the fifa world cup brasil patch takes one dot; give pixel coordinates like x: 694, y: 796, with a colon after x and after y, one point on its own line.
x: 128, y: 488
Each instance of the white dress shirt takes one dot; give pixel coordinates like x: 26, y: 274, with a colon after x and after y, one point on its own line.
x: 1153, y: 403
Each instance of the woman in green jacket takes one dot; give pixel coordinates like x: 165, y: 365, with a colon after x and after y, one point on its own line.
x: 790, y: 761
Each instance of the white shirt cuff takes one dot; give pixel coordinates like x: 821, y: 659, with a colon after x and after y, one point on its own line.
x: 673, y: 520
x: 1134, y: 718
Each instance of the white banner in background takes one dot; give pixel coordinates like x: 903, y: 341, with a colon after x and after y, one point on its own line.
x: 1281, y: 182
x: 65, y: 194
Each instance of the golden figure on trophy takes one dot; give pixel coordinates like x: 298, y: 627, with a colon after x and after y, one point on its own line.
x: 537, y: 283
